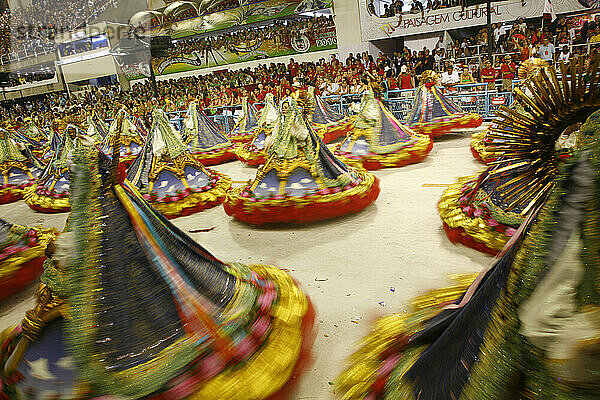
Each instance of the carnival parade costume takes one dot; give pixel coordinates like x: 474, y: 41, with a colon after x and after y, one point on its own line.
x: 18, y: 173
x: 434, y: 114
x: 50, y: 193
x: 243, y: 130
x: 22, y: 253
x: 170, y: 178
x: 131, y: 139
x: 301, y: 180
x: 378, y: 140
x: 527, y: 328
x: 32, y: 131
x: 97, y: 129
x: 479, y: 149
x: 324, y: 119
x: 475, y: 210
x: 254, y: 153
x: 205, y: 141
x: 131, y: 307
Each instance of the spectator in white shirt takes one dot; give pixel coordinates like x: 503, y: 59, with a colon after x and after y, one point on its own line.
x: 547, y: 51
x: 450, y: 77
x: 564, y: 55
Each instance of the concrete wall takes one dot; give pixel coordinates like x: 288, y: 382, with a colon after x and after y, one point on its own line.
x: 89, y: 69
x: 347, y: 25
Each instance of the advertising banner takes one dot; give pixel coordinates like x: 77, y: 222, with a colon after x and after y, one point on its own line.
x: 248, y: 14
x: 374, y: 27
x: 253, y: 50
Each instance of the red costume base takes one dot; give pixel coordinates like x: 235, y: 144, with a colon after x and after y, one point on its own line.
x: 27, y: 273
x: 458, y: 235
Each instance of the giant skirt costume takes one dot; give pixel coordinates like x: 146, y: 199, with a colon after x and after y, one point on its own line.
x: 18, y: 173
x: 253, y: 153
x: 50, y: 193
x: 527, y: 328
x: 479, y: 149
x: 378, y: 140
x: 33, y: 132
x: 97, y: 129
x: 243, y: 130
x: 434, y: 114
x: 301, y: 180
x: 170, y: 178
x: 325, y: 119
x: 136, y: 309
x: 476, y: 210
x: 131, y: 139
x: 206, y: 142
x: 22, y: 254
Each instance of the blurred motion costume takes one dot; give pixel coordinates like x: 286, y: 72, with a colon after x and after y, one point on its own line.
x: 324, y: 118
x: 205, y: 141
x: 18, y: 173
x: 378, y: 140
x: 131, y: 307
x: 527, y: 328
x: 483, y: 211
x: 170, y: 178
x: 22, y: 254
x: 434, y: 114
x: 131, y: 140
x: 301, y: 181
x: 253, y: 153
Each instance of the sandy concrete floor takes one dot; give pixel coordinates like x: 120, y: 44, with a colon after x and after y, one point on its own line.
x: 354, y: 268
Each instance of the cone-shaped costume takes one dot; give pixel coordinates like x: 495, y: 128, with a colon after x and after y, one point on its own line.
x: 480, y: 212
x: 526, y: 329
x: 378, y: 140
x: 32, y: 131
x: 22, y: 254
x: 479, y: 147
x: 434, y: 114
x: 243, y: 130
x: 254, y: 153
x: 205, y: 141
x: 334, y: 124
x: 131, y: 307
x: 172, y: 180
x: 18, y: 173
x: 97, y: 129
x: 131, y: 141
x: 50, y: 193
x: 301, y: 180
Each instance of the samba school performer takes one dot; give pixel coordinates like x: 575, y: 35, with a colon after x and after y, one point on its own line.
x: 131, y: 139
x: 132, y: 307
x: 254, y: 153
x: 475, y: 210
x: 18, y: 171
x: 205, y: 141
x: 243, y: 130
x: 378, y: 140
x: 301, y: 181
x: 324, y: 119
x: 170, y: 178
x: 433, y: 114
x: 22, y: 254
x: 527, y: 327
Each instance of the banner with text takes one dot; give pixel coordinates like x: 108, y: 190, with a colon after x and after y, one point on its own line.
x: 374, y: 27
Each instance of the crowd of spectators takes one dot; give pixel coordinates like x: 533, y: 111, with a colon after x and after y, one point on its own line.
x: 33, y: 27
x: 278, y: 32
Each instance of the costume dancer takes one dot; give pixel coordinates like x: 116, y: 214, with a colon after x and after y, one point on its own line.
x: 50, y: 193
x: 378, y: 140
x: 131, y: 307
x: 479, y: 147
x: 324, y: 118
x: 475, y: 210
x: 527, y: 328
x: 97, y: 129
x: 130, y: 138
x: 254, y: 153
x: 243, y: 130
x: 206, y: 142
x: 32, y: 131
x: 22, y: 254
x: 170, y: 178
x: 434, y: 114
x: 18, y: 173
x: 301, y: 180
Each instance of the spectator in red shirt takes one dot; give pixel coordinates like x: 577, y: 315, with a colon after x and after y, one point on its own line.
x: 508, y: 71
x: 488, y: 75
x: 406, y: 79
